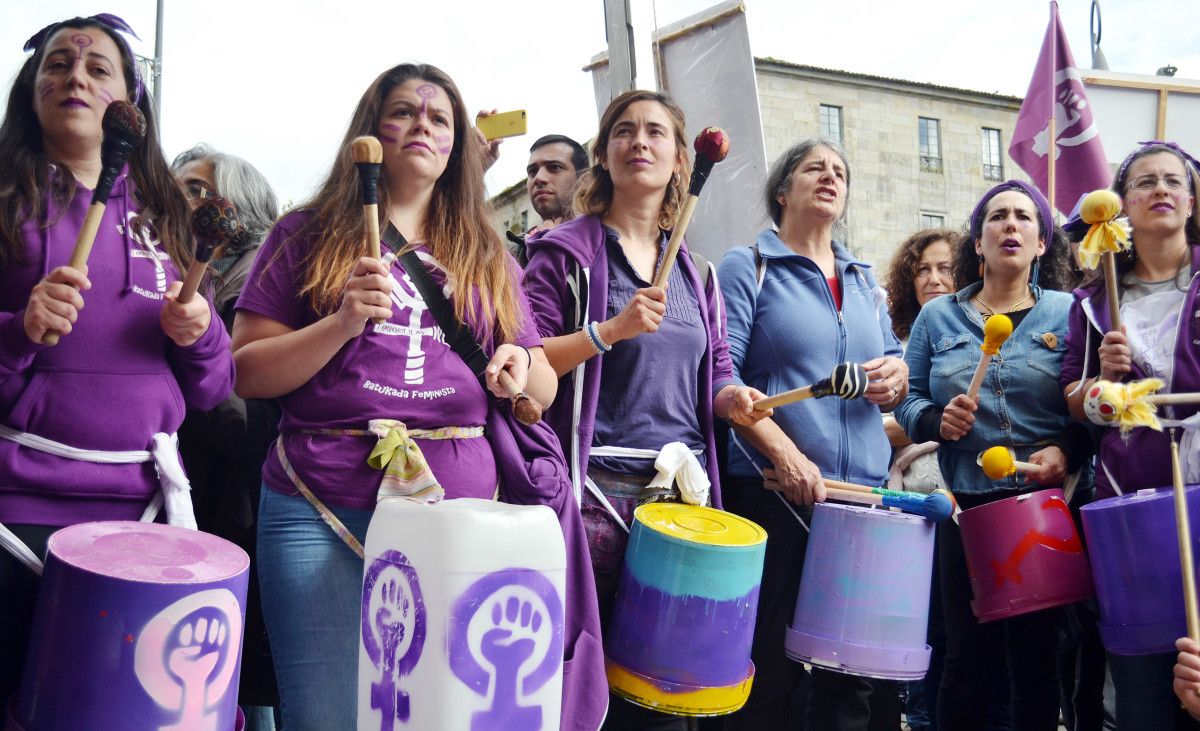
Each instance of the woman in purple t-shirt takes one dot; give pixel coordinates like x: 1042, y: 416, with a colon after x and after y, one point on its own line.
x: 346, y: 343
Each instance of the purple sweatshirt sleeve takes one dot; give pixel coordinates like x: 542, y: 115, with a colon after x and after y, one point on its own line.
x: 1072, y: 362
x: 546, y: 287
x: 204, y: 369
x: 722, y: 364
x: 16, y: 350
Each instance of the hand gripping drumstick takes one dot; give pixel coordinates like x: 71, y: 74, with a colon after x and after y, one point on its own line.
x: 999, y: 462
x: 848, y: 381
x: 1104, y: 239
x: 214, y: 225
x: 996, y: 330
x: 1184, y: 531
x: 525, y: 408
x: 712, y: 145
x: 1130, y: 405
x: 367, y: 154
x: 124, y: 127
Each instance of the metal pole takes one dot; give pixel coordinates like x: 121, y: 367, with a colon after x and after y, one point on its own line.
x: 158, y: 54
x: 622, y: 65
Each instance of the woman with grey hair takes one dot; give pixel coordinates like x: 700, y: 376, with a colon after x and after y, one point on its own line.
x: 204, y: 171
x: 799, y: 303
x: 223, y: 449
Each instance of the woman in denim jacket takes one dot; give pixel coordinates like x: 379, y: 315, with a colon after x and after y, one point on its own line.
x: 1010, y: 263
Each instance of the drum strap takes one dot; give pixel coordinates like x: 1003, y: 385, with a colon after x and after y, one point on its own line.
x: 163, y: 452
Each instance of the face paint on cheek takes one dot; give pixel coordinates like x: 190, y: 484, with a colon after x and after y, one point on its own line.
x: 45, y: 88
x: 105, y: 96
x: 445, y: 143
x: 390, y: 139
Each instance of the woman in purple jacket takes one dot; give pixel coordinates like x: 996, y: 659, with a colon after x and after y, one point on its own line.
x: 128, y: 363
x: 645, y: 370
x: 1158, y: 290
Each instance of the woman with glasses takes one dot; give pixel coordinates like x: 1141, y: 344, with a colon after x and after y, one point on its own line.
x: 1157, y: 288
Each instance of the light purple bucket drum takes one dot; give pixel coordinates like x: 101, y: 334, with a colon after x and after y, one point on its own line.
x: 1135, y: 558
x: 1024, y: 554
x: 863, y: 606
x: 137, y: 626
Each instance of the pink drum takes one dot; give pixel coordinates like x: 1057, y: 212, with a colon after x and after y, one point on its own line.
x: 1024, y: 554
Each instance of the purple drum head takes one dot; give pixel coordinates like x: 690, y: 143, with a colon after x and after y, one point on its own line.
x: 137, y: 626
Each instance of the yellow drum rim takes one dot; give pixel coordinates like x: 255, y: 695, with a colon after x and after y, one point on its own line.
x: 696, y: 524
x: 642, y: 691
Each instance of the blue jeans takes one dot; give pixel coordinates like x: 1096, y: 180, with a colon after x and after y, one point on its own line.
x: 311, y: 598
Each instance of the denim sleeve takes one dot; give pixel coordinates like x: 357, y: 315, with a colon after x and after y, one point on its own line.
x: 739, y: 289
x: 917, y: 356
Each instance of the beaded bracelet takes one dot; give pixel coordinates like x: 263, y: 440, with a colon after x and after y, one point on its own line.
x: 592, y: 330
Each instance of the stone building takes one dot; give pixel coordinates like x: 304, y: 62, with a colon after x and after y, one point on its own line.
x: 920, y: 154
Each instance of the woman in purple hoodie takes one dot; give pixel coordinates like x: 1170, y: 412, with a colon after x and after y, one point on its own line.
x: 1157, y: 291
x: 131, y: 361
x: 651, y: 365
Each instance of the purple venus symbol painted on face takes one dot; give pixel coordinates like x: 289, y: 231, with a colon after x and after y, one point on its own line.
x: 393, y: 631
x: 517, y: 614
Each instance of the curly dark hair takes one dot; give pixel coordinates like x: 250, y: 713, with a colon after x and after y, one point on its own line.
x: 902, y: 276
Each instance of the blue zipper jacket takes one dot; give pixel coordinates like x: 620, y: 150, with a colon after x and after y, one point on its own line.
x: 789, y: 333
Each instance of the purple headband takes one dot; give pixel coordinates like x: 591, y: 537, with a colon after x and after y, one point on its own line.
x: 113, y: 23
x: 1170, y: 145
x: 1045, y: 220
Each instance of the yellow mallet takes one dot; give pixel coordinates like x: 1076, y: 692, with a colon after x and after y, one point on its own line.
x: 1104, y: 239
x: 1000, y: 462
x: 996, y: 330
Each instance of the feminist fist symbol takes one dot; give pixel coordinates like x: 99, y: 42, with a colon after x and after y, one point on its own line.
x: 192, y: 656
x: 390, y: 621
x: 509, y: 643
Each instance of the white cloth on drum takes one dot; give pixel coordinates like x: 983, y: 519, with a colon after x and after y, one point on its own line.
x: 676, y: 464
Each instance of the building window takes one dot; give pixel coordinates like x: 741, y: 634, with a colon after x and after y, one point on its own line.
x: 931, y: 145
x: 831, y: 123
x: 993, y: 162
x: 932, y: 220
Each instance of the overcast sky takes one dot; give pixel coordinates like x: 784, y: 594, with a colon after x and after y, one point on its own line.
x: 275, y: 81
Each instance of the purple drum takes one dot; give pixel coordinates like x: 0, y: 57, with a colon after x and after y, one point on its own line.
x: 1135, y: 557
x: 1024, y: 554
x: 138, y: 626
x: 863, y: 606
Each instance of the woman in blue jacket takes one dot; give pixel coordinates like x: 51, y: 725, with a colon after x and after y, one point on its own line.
x: 798, y: 303
x: 1009, y: 263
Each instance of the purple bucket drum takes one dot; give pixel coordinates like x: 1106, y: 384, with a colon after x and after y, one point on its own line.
x: 137, y: 626
x: 863, y: 606
x: 1024, y: 554
x: 1135, y: 556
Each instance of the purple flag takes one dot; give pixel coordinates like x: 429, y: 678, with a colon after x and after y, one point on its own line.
x: 1080, y: 164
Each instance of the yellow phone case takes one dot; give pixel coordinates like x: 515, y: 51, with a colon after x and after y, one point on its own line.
x: 504, y: 124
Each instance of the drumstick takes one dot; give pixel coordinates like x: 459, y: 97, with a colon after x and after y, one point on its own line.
x: 848, y: 381
x: 1130, y: 405
x: 123, y: 126
x: 996, y: 330
x: 1184, y: 531
x: 367, y: 154
x: 712, y: 145
x: 214, y: 225
x: 935, y: 507
x: 1100, y: 208
x: 999, y: 462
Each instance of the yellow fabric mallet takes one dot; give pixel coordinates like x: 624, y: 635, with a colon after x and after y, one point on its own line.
x: 1104, y: 239
x: 996, y: 330
x: 1130, y: 405
x: 1000, y: 462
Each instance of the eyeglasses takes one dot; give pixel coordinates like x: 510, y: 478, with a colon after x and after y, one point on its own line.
x: 1149, y: 182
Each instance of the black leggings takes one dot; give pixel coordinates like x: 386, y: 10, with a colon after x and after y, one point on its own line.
x: 18, y: 594
x: 981, y: 658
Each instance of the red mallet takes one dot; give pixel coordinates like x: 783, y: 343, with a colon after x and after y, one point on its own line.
x: 712, y: 145
x: 214, y: 225
x: 123, y: 127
